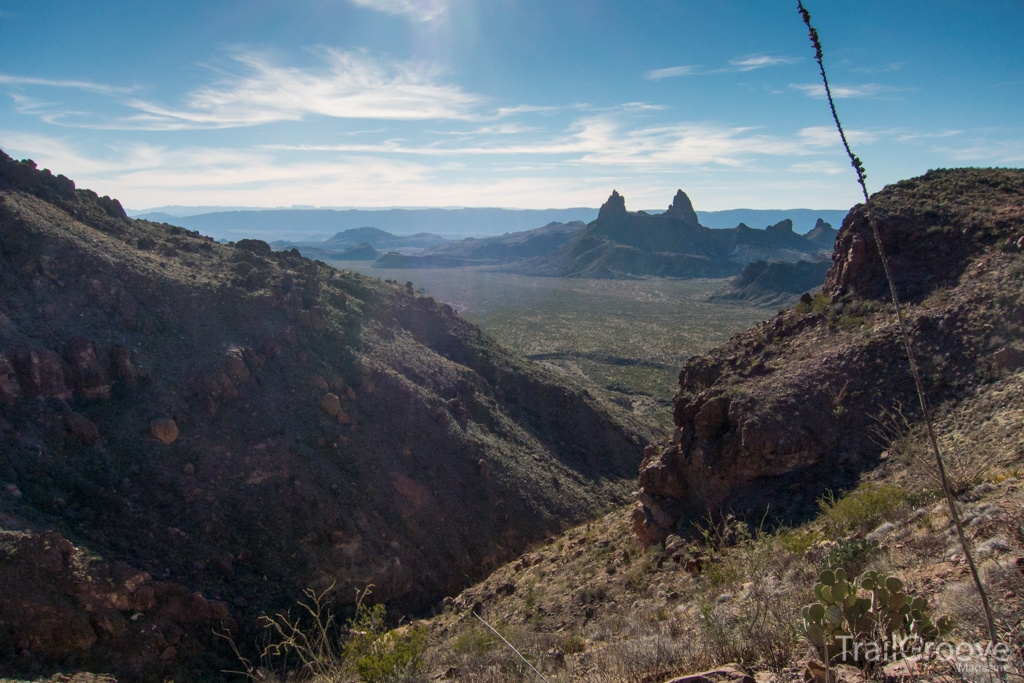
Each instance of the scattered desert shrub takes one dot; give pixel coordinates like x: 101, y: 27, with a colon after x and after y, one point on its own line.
x: 379, y: 655
x: 965, y: 467
x: 473, y: 642
x: 797, y: 541
x: 852, y: 554
x: 313, y: 647
x: 642, y: 655
x: 860, y: 509
x: 308, y: 643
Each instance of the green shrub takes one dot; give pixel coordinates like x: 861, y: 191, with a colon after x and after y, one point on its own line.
x: 797, y: 541
x: 474, y: 642
x: 866, y: 505
x: 574, y: 644
x: 378, y: 655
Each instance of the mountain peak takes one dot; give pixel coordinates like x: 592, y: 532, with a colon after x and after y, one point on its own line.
x: 681, y: 209
x: 783, y: 227
x: 615, y: 206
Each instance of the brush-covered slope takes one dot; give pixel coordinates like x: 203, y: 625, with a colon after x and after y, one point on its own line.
x: 627, y: 244
x: 787, y: 409
x: 193, y: 432
x: 775, y: 282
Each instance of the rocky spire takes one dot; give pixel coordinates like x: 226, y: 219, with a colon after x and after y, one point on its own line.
x: 681, y: 209
x: 615, y: 206
x: 783, y: 227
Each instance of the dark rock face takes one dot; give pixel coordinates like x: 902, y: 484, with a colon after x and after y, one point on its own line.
x: 614, y: 207
x: 823, y: 234
x: 931, y: 227
x: 682, y: 210
x: 60, y: 603
x: 785, y: 409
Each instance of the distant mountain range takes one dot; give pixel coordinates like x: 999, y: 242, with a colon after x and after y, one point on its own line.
x: 624, y: 244
x: 804, y: 220
x: 618, y: 244
x: 314, y: 225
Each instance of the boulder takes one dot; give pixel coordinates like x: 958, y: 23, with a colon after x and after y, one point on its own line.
x: 123, y: 370
x: 40, y: 373
x: 86, y: 375
x: 331, y: 404
x: 729, y: 673
x: 645, y: 528
x: 1008, y: 358
x: 164, y: 429
x: 82, y: 428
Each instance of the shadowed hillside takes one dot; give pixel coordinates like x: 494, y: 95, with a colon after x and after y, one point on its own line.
x: 192, y: 433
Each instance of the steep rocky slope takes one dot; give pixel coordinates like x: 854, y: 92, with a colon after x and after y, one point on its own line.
x: 192, y: 433
x: 790, y: 406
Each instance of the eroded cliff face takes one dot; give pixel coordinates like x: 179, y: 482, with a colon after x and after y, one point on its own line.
x: 786, y: 410
x: 243, y: 424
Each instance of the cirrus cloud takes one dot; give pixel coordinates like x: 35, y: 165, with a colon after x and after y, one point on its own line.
x: 418, y: 10
x: 258, y: 90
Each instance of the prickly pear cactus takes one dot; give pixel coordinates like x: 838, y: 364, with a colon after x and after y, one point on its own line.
x: 886, y: 608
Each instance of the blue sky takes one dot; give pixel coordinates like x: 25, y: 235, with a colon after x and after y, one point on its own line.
x: 513, y: 103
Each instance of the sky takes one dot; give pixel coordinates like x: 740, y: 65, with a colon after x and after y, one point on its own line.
x: 507, y: 103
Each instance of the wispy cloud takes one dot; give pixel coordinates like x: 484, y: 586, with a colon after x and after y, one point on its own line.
x: 826, y: 167
x: 995, y: 146
x: 826, y: 136
x: 345, y: 85
x: 88, y: 86
x: 923, y: 135
x: 893, y: 66
x: 351, y: 85
x: 817, y: 90
x: 760, y: 61
x: 418, y: 10
x: 670, y: 72
x: 748, y: 63
x: 605, y: 140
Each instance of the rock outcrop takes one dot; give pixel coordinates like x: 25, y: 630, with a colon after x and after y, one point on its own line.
x: 614, y: 207
x: 59, y: 603
x: 788, y: 406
